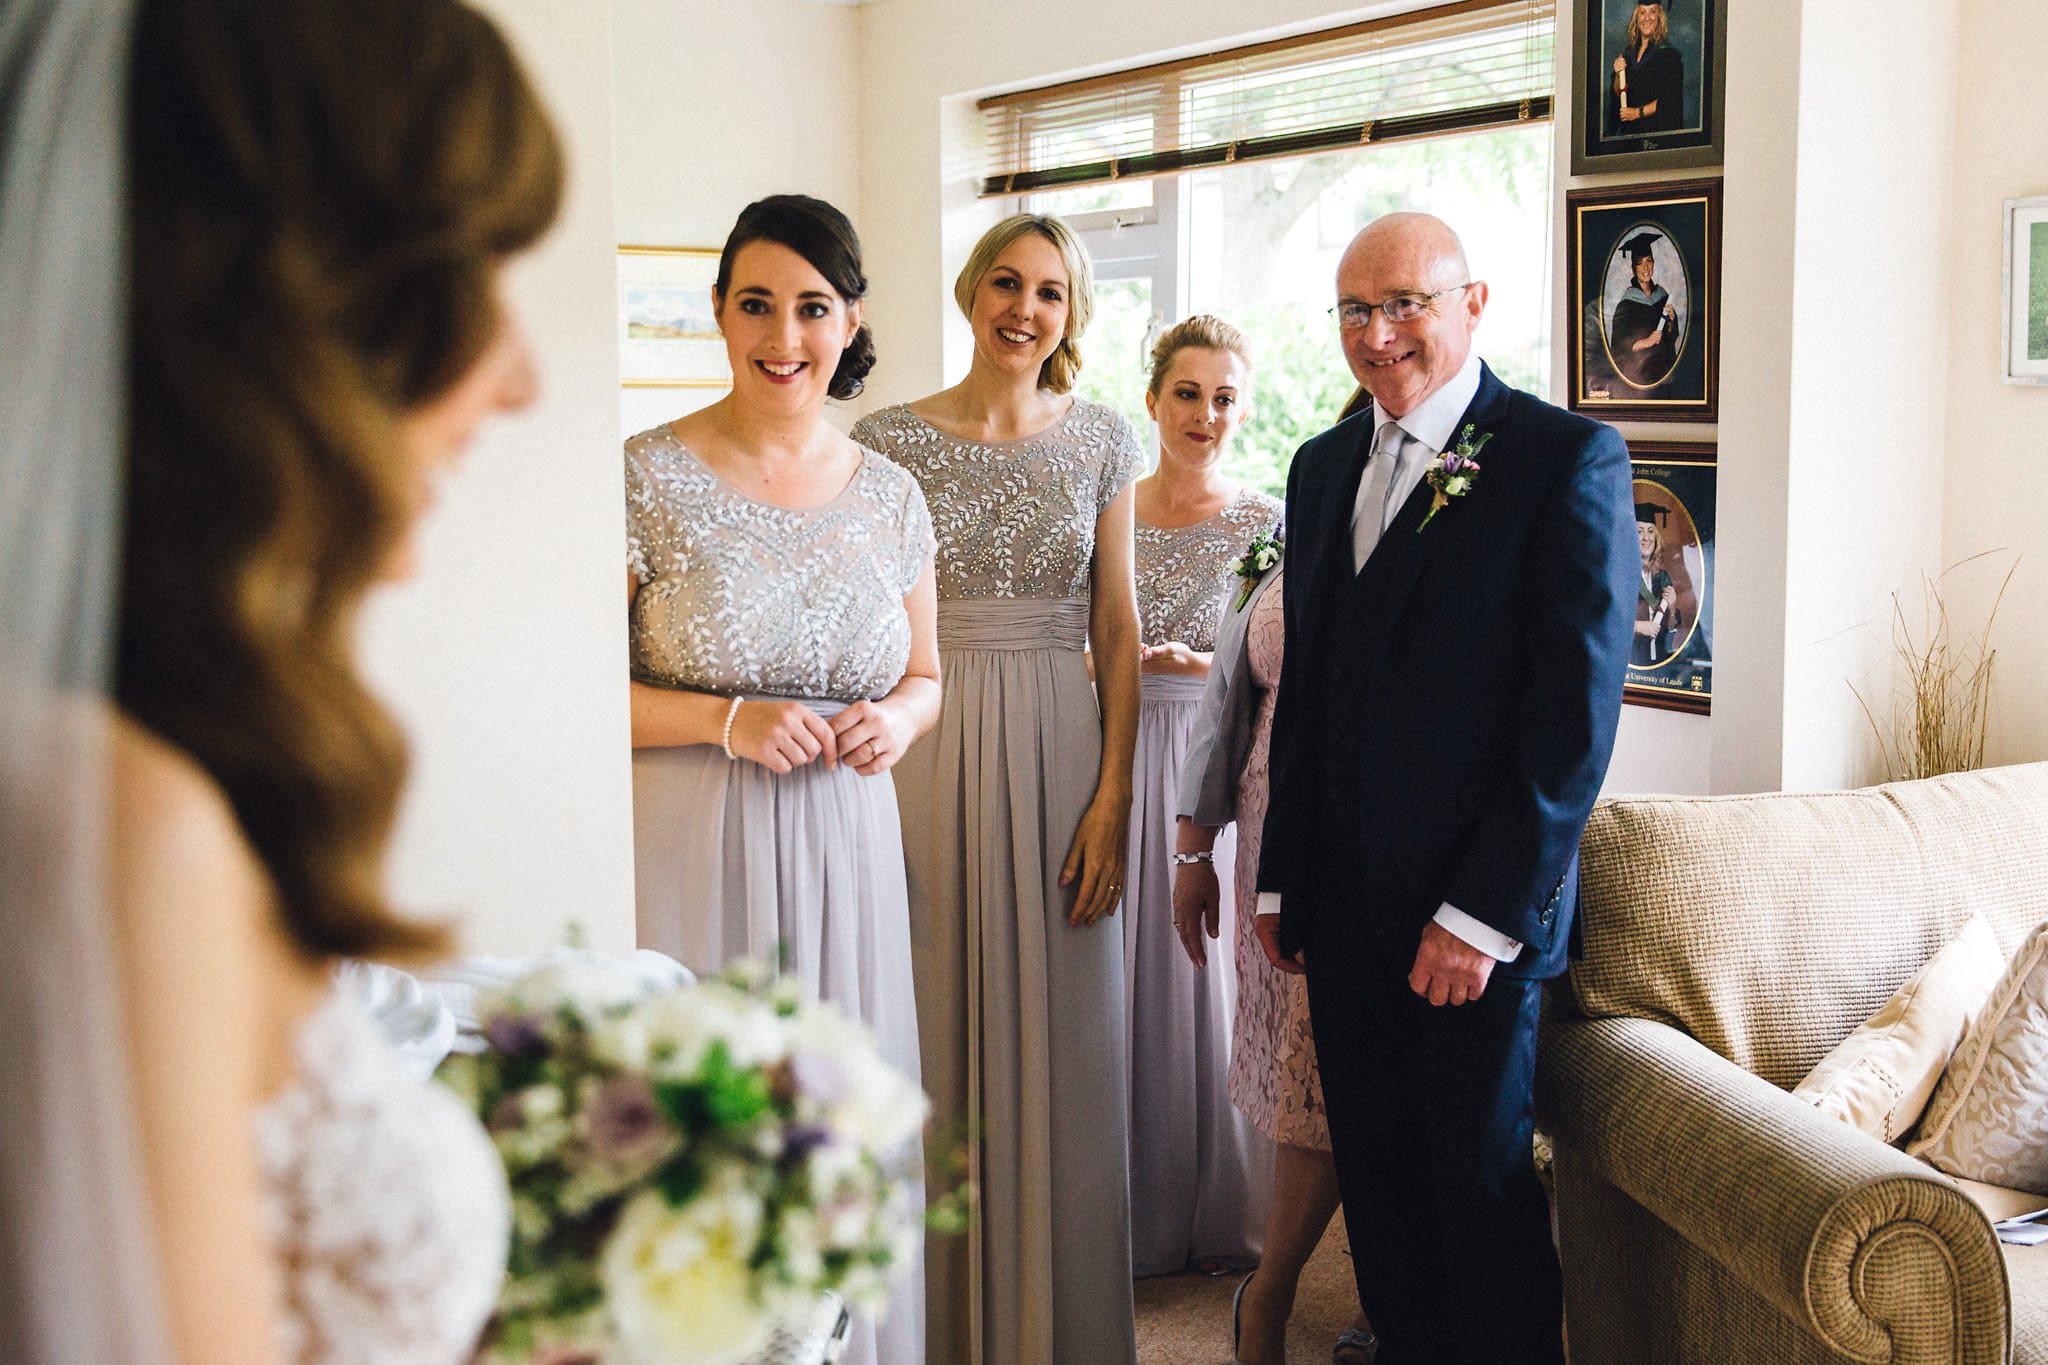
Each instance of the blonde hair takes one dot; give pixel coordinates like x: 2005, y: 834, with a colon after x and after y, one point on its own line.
x: 1063, y: 366
x: 1658, y: 30
x: 1203, y: 331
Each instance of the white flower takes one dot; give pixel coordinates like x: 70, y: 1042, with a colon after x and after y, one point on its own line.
x: 677, y: 1280
x: 622, y: 1040
x: 861, y: 1097
x: 585, y: 987
x: 682, y: 1026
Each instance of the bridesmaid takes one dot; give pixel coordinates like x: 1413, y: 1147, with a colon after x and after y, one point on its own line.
x: 1015, y: 812
x: 1197, y: 1177
x: 785, y: 655
x: 1273, y: 1077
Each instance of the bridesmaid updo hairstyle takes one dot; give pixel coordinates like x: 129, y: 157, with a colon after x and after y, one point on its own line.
x: 821, y: 234
x: 1063, y: 367
x: 1203, y: 331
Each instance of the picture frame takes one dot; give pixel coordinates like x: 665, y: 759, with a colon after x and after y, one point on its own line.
x: 2024, y: 331
x: 1645, y: 347
x: 668, y: 338
x: 1690, y: 64
x: 1671, y: 667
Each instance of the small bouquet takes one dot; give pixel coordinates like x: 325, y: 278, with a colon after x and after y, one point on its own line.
x: 1259, y: 556
x: 1453, y: 474
x: 690, y: 1169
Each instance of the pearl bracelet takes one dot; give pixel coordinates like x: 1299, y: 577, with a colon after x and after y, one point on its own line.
x: 725, y: 741
x: 1206, y: 856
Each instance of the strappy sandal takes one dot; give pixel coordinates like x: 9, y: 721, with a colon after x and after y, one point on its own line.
x: 1236, y: 1316
x: 1355, y: 1348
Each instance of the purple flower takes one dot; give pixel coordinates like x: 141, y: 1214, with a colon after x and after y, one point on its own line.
x: 515, y: 1035
x: 624, y: 1122
x: 508, y: 1115
x: 799, y: 1140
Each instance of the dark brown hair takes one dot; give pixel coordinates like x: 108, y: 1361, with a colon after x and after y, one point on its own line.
x: 824, y: 237
x: 322, y: 196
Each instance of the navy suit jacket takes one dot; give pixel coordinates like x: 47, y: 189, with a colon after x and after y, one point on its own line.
x: 1445, y: 719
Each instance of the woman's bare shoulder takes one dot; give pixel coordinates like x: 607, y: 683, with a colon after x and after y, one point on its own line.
x: 175, y: 839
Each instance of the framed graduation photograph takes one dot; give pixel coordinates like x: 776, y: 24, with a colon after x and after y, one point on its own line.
x: 2026, y: 290
x: 1650, y: 84
x: 668, y: 338
x: 1671, y: 657
x: 1644, y: 267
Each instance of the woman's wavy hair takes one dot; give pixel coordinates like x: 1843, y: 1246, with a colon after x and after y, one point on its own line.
x: 322, y: 197
x: 1657, y: 30
x: 1203, y: 331
x: 1063, y: 367
x: 824, y: 237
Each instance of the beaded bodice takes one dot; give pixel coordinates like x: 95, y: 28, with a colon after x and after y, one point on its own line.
x: 1184, y: 577
x: 1013, y: 518
x: 743, y: 596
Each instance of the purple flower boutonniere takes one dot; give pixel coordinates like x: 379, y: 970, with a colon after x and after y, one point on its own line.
x: 1259, y: 556
x: 1454, y: 473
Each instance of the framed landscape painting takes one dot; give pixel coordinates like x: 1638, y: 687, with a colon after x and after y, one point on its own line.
x: 1651, y: 84
x: 668, y: 337
x: 2026, y: 290
x: 1644, y: 267
x: 1671, y: 655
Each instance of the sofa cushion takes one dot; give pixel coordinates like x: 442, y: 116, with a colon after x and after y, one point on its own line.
x: 1881, y: 1076
x: 1989, y: 1117
x: 1768, y: 927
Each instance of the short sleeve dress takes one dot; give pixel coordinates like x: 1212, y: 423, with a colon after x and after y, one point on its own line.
x: 740, y: 597
x: 1022, y: 1014
x: 1198, y: 1175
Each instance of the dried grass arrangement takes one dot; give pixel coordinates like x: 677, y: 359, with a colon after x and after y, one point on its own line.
x: 1946, y: 708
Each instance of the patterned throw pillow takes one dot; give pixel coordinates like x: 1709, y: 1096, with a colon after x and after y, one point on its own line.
x: 1989, y: 1117
x: 1881, y: 1076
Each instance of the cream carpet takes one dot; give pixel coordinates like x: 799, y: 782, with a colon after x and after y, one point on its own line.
x: 1185, y: 1319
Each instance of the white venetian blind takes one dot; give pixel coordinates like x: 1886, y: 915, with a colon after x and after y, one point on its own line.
x: 1450, y: 68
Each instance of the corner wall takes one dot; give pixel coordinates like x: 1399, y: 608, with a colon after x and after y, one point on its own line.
x: 1996, y: 483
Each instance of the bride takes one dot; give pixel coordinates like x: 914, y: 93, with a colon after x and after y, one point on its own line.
x: 286, y: 219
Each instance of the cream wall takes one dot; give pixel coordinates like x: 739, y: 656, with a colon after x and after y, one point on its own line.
x: 719, y: 103
x: 1996, y: 481
x: 504, y: 657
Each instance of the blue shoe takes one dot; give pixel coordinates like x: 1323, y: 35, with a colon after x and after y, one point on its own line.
x: 1355, y: 1348
x: 1236, y: 1314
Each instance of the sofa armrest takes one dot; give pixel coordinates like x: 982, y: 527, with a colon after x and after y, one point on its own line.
x: 1877, y: 1255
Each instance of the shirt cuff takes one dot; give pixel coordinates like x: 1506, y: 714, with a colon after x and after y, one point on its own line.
x: 1269, y: 903
x: 1484, y: 937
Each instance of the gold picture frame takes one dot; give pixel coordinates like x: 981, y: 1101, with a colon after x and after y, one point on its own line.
x: 668, y: 337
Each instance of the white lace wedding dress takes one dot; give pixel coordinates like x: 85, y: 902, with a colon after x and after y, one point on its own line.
x: 385, y: 1199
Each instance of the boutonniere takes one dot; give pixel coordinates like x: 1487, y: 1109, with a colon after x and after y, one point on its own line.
x: 1259, y: 556
x: 1454, y: 473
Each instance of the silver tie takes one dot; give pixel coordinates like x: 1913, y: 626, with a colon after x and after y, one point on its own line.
x: 1369, y: 511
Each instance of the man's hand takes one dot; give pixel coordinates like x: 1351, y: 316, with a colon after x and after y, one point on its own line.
x: 1447, y: 970
x: 1267, y: 927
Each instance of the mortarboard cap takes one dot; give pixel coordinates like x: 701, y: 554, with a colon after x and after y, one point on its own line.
x: 1652, y: 512
x: 1638, y: 246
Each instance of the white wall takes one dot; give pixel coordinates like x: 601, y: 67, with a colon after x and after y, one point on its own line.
x: 719, y: 103
x: 1997, y: 474
x: 505, y: 657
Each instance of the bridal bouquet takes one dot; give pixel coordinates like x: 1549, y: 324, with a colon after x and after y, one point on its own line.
x: 689, y: 1169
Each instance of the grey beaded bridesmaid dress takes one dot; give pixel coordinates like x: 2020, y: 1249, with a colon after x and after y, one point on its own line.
x: 1199, y: 1175
x: 731, y: 859
x: 1021, y: 1013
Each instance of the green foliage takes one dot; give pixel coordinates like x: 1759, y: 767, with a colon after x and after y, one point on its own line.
x: 1299, y: 387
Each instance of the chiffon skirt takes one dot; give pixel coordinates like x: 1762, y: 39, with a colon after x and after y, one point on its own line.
x: 1021, y: 1013
x: 1200, y: 1174
x: 732, y: 860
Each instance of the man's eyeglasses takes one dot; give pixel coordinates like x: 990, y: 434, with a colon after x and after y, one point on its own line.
x: 1405, y: 307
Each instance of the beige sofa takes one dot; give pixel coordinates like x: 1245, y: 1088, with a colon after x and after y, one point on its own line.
x: 1704, y: 1214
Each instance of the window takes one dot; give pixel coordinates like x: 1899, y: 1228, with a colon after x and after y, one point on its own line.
x: 1256, y: 167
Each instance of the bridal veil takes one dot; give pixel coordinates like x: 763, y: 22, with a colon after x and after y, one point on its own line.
x: 77, y: 1280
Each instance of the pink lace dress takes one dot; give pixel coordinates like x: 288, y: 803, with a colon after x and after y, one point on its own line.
x: 1273, y: 1077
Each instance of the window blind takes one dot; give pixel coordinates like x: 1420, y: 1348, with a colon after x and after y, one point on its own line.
x: 1450, y: 68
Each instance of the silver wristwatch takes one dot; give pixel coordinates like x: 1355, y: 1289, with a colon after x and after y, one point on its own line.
x: 1206, y: 856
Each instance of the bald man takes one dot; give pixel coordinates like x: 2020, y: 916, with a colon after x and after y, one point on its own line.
x: 1453, y: 679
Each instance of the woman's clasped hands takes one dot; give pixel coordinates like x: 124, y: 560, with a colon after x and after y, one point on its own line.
x: 782, y: 736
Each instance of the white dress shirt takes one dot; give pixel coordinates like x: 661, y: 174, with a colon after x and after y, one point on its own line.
x: 1431, y: 425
